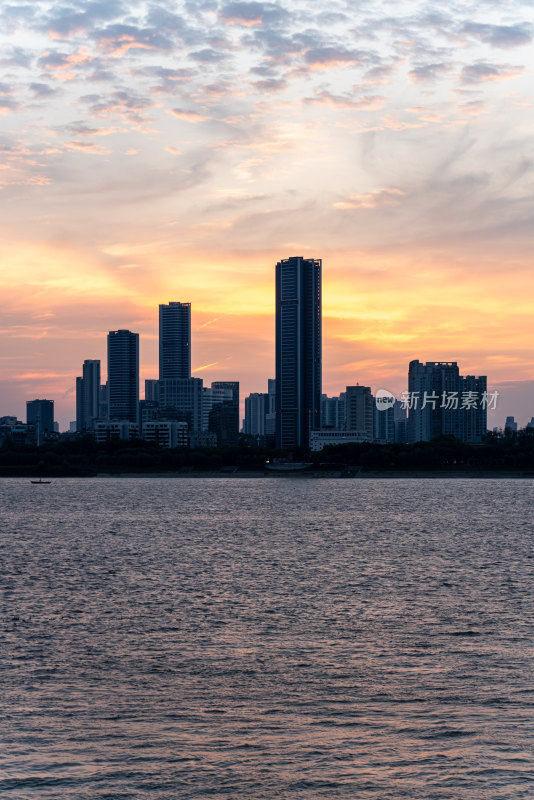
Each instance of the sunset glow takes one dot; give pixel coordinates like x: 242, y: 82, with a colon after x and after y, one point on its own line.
x: 155, y: 152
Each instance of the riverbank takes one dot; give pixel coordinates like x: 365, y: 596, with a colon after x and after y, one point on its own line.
x: 330, y: 475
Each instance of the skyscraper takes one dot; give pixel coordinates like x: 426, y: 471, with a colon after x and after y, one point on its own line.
x: 359, y: 410
x: 174, y: 341
x: 41, y: 414
x: 88, y: 395
x: 123, y: 375
x: 298, y: 350
x: 223, y: 418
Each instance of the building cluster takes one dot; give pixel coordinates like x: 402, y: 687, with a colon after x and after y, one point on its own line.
x: 179, y: 410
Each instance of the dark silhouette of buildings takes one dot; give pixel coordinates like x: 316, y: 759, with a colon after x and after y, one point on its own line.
x: 184, y: 395
x: 224, y: 415
x: 442, y: 402
x: 88, y: 395
x: 123, y: 376
x: 40, y: 414
x: 298, y: 350
x: 174, y: 341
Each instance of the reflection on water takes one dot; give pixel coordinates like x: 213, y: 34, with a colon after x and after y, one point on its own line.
x: 247, y: 639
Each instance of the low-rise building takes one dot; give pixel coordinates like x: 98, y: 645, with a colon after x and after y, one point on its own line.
x: 116, y: 429
x: 166, y: 433
x: 320, y: 439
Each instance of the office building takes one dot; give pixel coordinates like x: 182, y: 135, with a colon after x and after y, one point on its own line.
x: 123, y: 376
x: 152, y: 390
x: 333, y: 411
x: 174, y: 341
x: 298, y: 350
x: 330, y: 436
x: 88, y: 396
x: 113, y: 430
x: 166, y: 433
x: 359, y: 410
x: 256, y: 406
x: 223, y: 418
x: 183, y: 395
x: 510, y: 426
x: 270, y: 418
x: 40, y: 414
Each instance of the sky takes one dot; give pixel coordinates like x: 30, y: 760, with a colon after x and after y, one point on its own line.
x: 158, y: 151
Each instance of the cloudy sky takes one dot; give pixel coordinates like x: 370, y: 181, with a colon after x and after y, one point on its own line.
x: 156, y: 151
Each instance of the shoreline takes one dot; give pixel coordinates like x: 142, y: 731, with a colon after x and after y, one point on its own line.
x: 411, y: 474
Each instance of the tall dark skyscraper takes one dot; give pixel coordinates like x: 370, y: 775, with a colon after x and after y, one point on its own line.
x: 123, y: 375
x: 41, y: 414
x: 298, y: 350
x: 174, y: 341
x: 88, y: 395
x: 224, y: 416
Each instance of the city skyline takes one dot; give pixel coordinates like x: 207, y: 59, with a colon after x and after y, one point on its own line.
x: 157, y: 152
x: 494, y: 413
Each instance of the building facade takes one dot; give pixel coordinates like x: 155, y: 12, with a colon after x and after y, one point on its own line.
x: 256, y: 407
x: 88, y: 396
x: 123, y: 376
x: 298, y: 350
x: 40, y: 414
x: 166, y: 433
x: 359, y: 410
x: 442, y: 402
x: 184, y: 395
x: 174, y: 341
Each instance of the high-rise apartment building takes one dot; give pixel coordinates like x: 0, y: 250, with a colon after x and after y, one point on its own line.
x: 359, y: 410
x: 123, y: 375
x: 40, y: 413
x: 88, y: 396
x: 174, y: 341
x: 442, y: 402
x: 184, y: 395
x: 256, y: 409
x: 298, y: 350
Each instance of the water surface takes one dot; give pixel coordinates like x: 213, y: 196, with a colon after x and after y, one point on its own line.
x: 278, y: 638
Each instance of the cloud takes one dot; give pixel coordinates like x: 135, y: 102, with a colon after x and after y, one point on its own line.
x: 188, y: 115
x: 64, y: 66
x: 332, y: 57
x: 63, y: 22
x: 208, y: 56
x: 121, y: 103
x: 482, y: 72
x: 16, y: 57
x: 7, y: 103
x: 42, y: 90
x: 270, y: 85
x: 429, y: 73
x: 117, y: 40
x: 505, y: 36
x: 366, y: 102
x: 375, y: 199
x: 88, y: 147
x: 252, y: 14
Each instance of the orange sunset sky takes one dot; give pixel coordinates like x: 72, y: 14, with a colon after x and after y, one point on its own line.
x: 157, y: 151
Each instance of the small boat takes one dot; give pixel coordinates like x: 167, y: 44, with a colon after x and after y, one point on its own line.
x: 41, y: 481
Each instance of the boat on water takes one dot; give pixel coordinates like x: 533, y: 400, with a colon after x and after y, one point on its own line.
x: 41, y: 481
